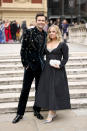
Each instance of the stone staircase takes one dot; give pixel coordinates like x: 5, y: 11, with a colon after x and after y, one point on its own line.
x: 11, y: 76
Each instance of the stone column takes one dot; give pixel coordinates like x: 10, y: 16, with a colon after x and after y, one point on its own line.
x: 22, y: 1
x: 45, y: 6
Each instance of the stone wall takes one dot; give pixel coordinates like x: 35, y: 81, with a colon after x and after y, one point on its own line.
x: 0, y: 2
x: 36, y: 1
x: 20, y: 10
x: 78, y: 34
x: 7, y: 1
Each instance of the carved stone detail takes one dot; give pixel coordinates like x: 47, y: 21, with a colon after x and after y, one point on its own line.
x: 21, y: 1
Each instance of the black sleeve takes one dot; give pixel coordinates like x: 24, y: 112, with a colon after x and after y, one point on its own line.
x: 24, y: 49
x: 65, y: 55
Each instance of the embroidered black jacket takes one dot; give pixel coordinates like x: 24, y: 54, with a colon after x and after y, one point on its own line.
x: 32, y: 49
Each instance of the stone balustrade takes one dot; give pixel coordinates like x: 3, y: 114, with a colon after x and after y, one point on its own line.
x: 78, y: 34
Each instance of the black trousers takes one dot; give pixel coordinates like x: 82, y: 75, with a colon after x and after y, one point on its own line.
x: 29, y: 75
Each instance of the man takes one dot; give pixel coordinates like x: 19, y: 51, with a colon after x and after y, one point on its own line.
x: 32, y: 56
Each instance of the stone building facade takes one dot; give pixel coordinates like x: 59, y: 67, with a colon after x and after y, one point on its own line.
x: 20, y: 10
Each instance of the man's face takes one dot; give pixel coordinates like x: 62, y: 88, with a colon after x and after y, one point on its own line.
x: 40, y: 22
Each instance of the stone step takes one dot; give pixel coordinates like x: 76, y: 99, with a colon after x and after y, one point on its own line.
x: 19, y: 73
x: 17, y: 87
x: 14, y: 97
x: 17, y: 55
x: 11, y: 77
x: 14, y: 88
x: 18, y: 80
x: 76, y: 71
x: 12, y: 106
x: 15, y: 73
x: 10, y: 56
x: 10, y: 65
x: 78, y: 85
x: 72, y: 62
x: 80, y: 58
x: 11, y: 80
x: 76, y: 64
x: 13, y: 66
x: 10, y: 60
x: 77, y: 77
x: 78, y: 93
x: 18, y: 60
x: 79, y: 103
x: 77, y: 54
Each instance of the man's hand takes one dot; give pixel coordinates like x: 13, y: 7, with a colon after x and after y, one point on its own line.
x: 26, y: 67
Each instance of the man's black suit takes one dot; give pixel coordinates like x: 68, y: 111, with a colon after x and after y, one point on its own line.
x: 32, y: 56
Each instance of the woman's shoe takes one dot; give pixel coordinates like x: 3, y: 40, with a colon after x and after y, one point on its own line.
x: 50, y: 118
x: 47, y: 121
x: 54, y: 116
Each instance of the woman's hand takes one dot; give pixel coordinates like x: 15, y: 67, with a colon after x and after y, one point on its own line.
x: 56, y: 66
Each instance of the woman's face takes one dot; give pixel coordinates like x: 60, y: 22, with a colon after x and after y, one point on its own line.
x: 52, y: 33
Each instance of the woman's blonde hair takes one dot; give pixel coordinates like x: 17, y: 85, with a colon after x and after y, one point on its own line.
x: 58, y: 33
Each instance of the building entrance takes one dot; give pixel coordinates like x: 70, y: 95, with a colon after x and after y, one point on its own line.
x: 69, y: 9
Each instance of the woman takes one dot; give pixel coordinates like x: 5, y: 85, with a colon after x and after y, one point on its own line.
x: 53, y: 92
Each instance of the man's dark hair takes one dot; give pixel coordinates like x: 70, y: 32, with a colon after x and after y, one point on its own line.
x: 39, y: 14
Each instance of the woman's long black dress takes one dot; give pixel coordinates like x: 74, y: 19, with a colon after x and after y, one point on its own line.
x: 53, y: 92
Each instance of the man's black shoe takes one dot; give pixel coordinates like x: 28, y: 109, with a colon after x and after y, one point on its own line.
x: 38, y: 115
x: 17, y: 118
